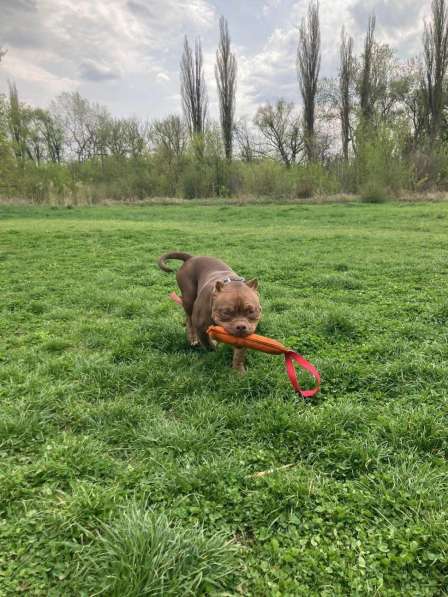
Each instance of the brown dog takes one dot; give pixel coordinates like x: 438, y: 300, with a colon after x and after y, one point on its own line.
x: 213, y: 294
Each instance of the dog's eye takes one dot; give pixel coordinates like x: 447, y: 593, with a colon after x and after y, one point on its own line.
x: 225, y: 313
x: 252, y: 313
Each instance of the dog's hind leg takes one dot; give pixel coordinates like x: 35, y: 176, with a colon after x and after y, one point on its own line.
x: 188, y: 289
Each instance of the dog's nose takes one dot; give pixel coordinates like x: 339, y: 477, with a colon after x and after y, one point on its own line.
x: 241, y: 328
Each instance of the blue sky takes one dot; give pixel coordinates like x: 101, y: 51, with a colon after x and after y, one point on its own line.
x: 125, y: 53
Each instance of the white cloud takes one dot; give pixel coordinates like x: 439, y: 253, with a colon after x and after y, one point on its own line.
x: 21, y: 68
x: 126, y: 53
x: 269, y: 6
x: 271, y: 72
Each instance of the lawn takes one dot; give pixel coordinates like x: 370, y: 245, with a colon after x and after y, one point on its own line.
x: 129, y: 461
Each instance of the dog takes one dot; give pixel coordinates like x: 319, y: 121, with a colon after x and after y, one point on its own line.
x: 213, y: 294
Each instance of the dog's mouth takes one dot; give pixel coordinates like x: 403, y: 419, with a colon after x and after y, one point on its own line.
x: 240, y: 333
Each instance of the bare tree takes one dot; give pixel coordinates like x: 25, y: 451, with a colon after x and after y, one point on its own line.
x: 2, y: 53
x: 193, y: 89
x: 83, y: 125
x: 280, y: 128
x: 345, y: 83
x: 137, y: 134
x: 119, y: 137
x: 225, y: 73
x: 435, y: 50
x: 114, y: 138
x: 365, y: 88
x: 52, y: 134
x: 308, y: 68
x: 171, y: 136
x: 245, y: 141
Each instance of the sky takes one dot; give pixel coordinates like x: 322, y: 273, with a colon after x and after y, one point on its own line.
x: 125, y: 53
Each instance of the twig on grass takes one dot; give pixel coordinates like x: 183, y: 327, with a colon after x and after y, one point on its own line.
x: 271, y: 471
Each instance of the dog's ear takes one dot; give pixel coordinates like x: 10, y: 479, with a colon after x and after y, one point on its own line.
x: 253, y: 284
x: 219, y: 286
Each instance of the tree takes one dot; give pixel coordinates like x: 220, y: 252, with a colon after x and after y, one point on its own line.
x: 280, y: 128
x: 122, y: 137
x: 18, y: 117
x: 378, y: 77
x: 8, y: 162
x: 435, y: 51
x: 411, y: 99
x: 170, y: 135
x: 346, y: 72
x: 37, y: 148
x: 2, y: 53
x: 193, y: 89
x: 137, y: 134
x: 365, y: 87
x: 82, y: 123
x: 225, y: 73
x: 308, y: 68
x: 52, y: 134
x: 245, y: 141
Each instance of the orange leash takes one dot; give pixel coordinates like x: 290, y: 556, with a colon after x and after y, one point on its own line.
x: 270, y: 346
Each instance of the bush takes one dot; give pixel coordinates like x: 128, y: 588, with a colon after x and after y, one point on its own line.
x: 381, y: 166
x: 314, y: 179
x: 266, y: 178
x: 373, y: 192
x: 196, y: 181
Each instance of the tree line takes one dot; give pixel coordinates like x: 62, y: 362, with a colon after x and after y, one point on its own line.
x: 377, y: 108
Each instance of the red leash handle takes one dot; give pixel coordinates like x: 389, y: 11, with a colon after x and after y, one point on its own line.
x: 291, y: 356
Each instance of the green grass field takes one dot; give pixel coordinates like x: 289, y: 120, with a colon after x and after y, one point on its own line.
x: 129, y: 461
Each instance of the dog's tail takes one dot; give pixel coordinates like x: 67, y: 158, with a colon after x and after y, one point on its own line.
x: 181, y: 256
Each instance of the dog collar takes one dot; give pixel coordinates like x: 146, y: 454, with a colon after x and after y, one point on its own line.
x: 228, y: 280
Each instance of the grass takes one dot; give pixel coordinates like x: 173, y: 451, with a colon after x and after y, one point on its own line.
x: 129, y: 461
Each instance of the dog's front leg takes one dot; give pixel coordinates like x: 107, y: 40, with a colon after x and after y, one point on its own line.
x: 205, y: 340
x: 191, y: 333
x: 239, y: 360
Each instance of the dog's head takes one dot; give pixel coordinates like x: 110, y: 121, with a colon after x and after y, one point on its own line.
x: 236, y: 307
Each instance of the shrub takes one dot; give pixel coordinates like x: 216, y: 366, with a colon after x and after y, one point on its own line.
x: 373, y: 192
x: 381, y: 166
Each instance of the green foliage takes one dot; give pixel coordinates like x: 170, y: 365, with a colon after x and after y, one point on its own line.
x: 141, y: 553
x: 373, y: 191
x: 266, y: 178
x: 8, y: 174
x: 104, y: 405
x: 381, y: 167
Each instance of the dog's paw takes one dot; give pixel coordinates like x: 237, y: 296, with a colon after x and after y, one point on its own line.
x: 240, y: 369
